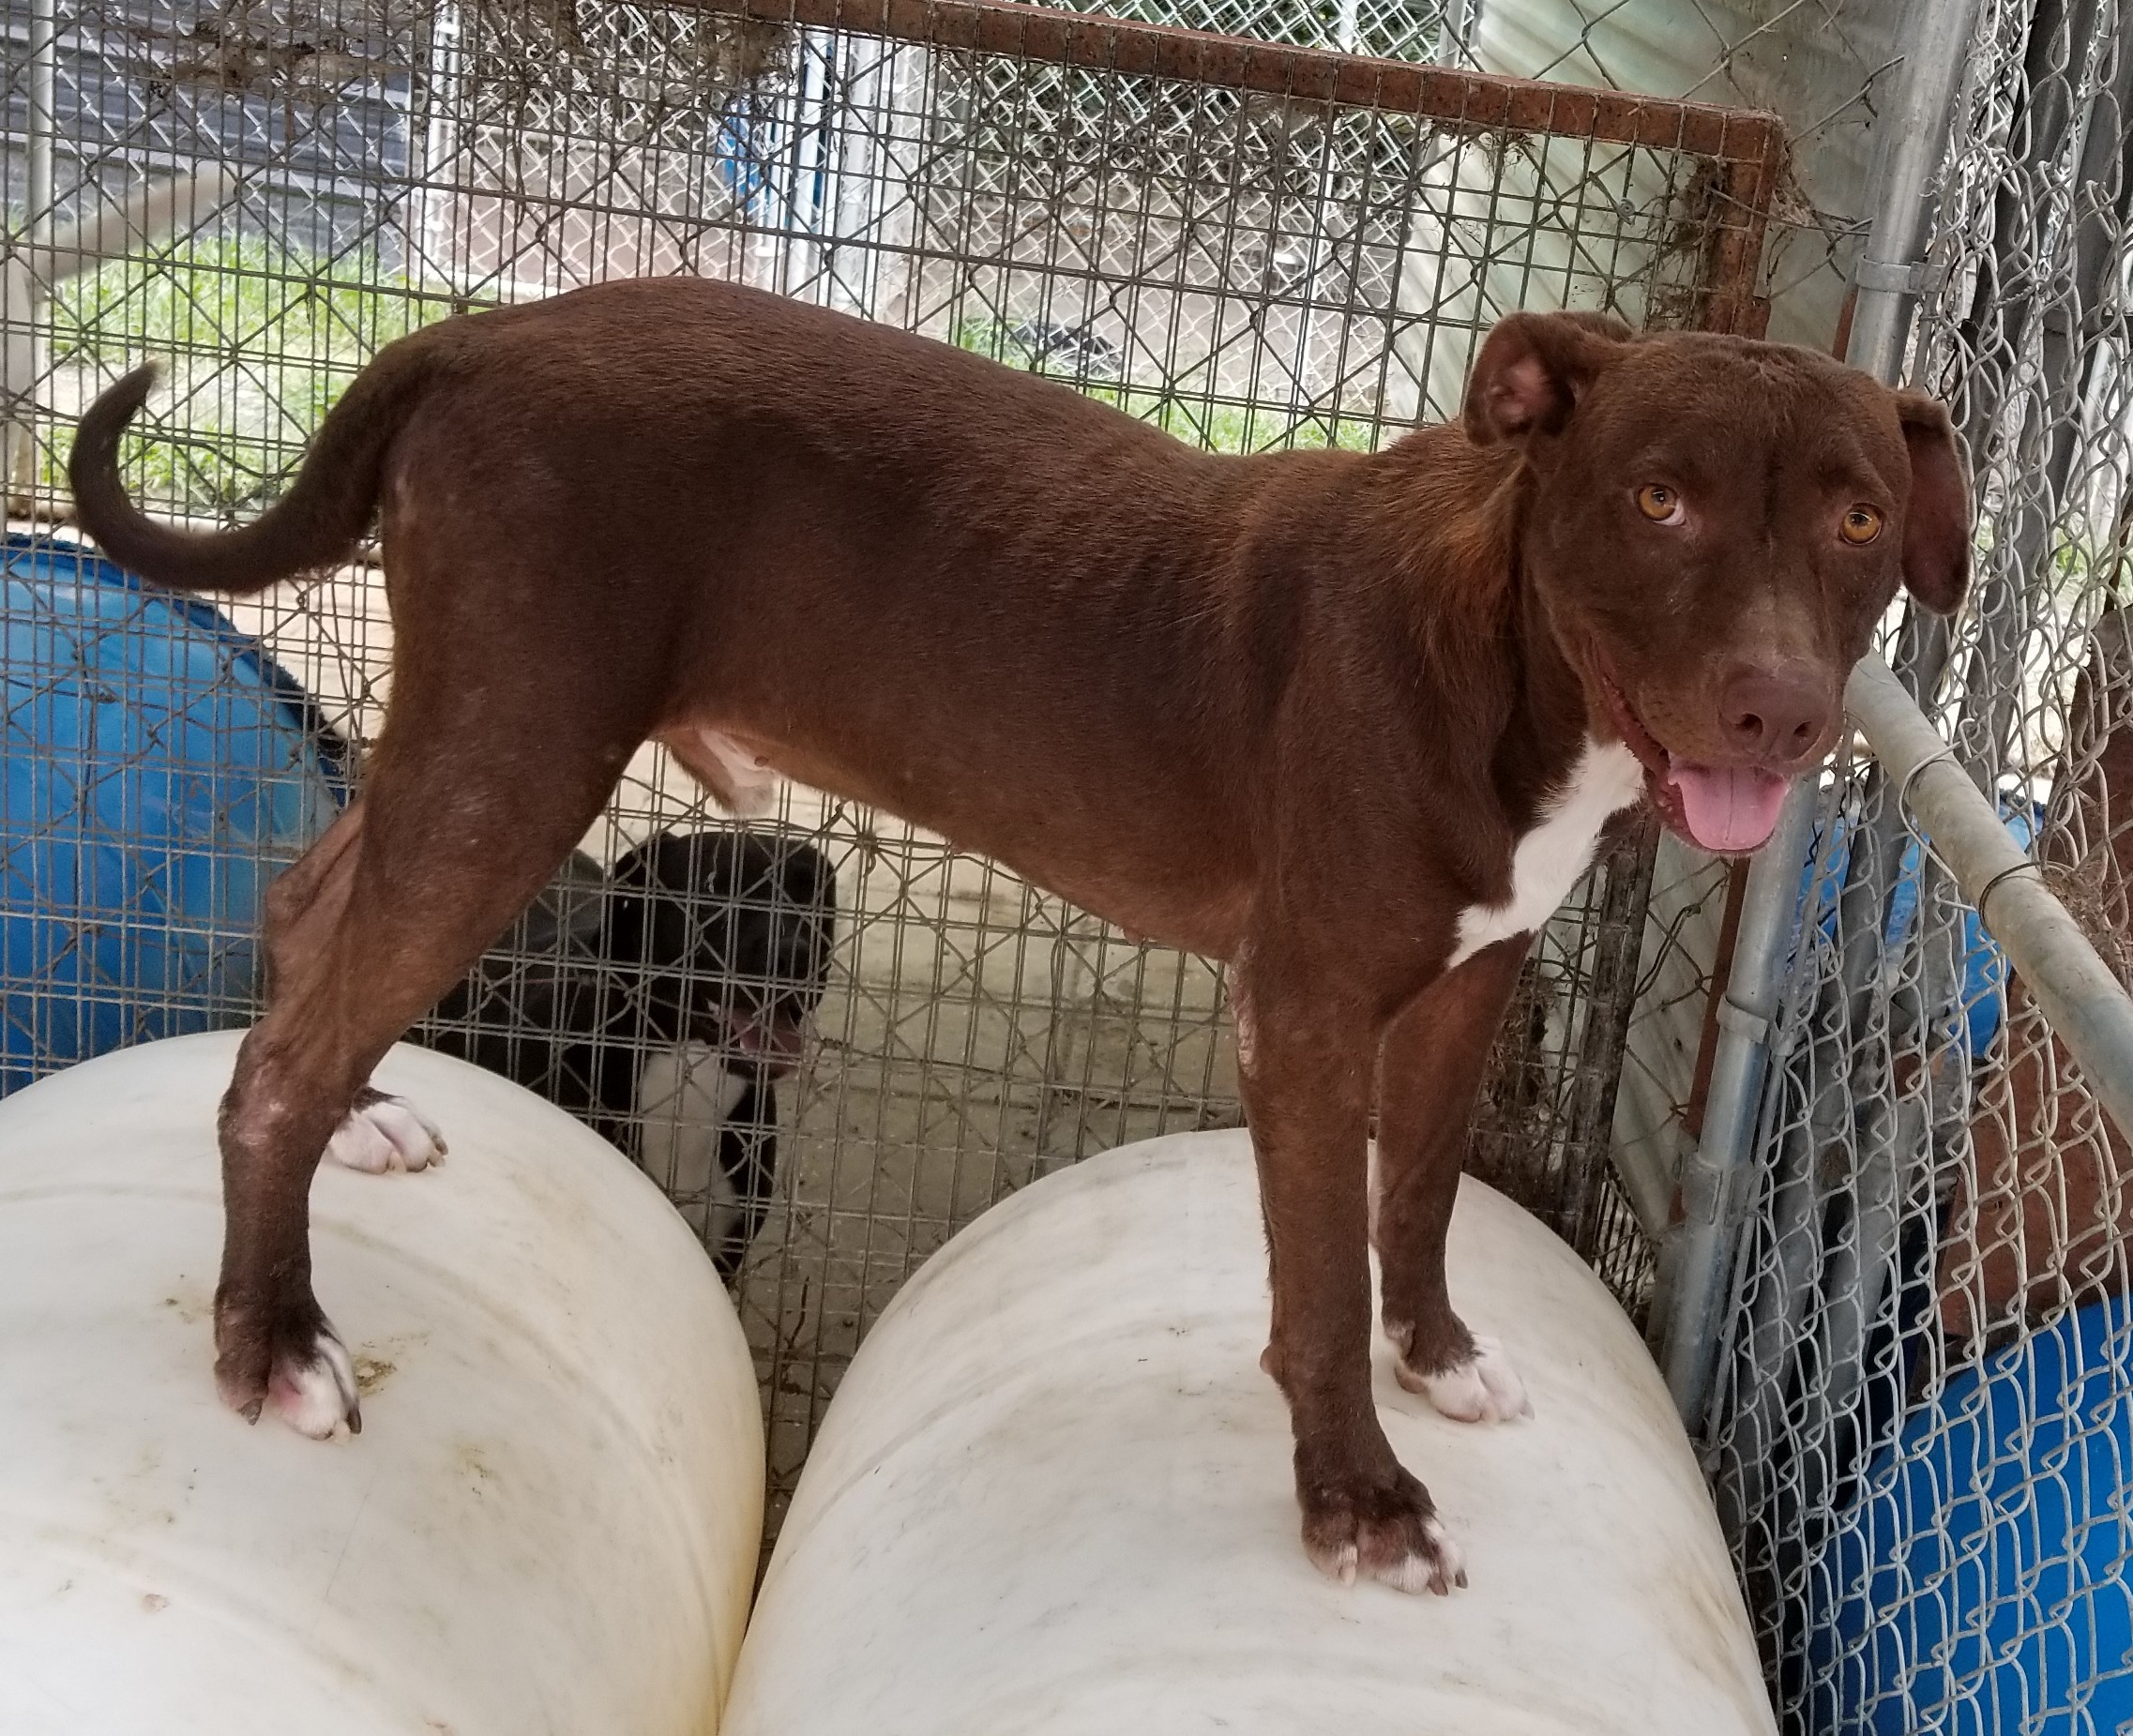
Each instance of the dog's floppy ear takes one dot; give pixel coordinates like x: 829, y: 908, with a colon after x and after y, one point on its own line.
x: 1936, y: 518
x: 1532, y: 370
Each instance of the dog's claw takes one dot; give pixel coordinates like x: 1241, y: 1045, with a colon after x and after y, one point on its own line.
x: 1387, y: 1532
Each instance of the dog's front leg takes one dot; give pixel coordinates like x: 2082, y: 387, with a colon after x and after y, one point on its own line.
x: 1305, y: 1062
x: 1434, y: 1055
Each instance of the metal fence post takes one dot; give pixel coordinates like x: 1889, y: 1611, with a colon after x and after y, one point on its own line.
x: 2083, y: 1001
x: 1724, y: 1154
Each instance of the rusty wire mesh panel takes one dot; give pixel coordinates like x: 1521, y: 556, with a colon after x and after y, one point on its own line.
x: 1255, y: 247
x: 1924, y: 1441
x: 1543, y: 1129
x: 1383, y: 29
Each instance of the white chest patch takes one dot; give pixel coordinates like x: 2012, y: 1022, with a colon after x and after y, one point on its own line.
x: 1548, y: 859
x: 684, y: 1096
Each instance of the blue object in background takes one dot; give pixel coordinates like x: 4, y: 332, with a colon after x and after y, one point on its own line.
x: 160, y: 769
x: 1983, y: 966
x: 1980, y: 1588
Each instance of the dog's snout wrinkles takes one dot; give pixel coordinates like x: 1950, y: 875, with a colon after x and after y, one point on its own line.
x: 1775, y: 714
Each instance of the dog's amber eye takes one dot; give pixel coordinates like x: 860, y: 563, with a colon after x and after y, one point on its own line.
x: 1862, y: 524
x: 1659, y: 504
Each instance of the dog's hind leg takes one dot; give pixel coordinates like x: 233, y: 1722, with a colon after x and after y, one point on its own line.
x: 1431, y: 1064
x: 379, y: 1133
x: 476, y: 794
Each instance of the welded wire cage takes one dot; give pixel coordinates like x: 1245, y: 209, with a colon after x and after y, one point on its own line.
x: 1923, y: 1436
x: 1255, y: 246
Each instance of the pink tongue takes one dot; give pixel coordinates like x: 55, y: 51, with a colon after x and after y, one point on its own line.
x: 1728, y: 808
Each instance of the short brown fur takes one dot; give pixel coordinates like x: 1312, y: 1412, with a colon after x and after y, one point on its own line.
x: 1294, y: 711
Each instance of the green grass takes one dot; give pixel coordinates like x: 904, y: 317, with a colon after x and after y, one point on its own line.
x: 1234, y: 428
x: 1202, y: 421
x: 236, y: 298
x: 258, y: 340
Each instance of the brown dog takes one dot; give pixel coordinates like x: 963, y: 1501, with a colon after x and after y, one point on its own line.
x: 1351, y: 722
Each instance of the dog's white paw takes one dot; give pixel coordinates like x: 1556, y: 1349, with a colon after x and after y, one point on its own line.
x: 1438, y: 1566
x: 1484, y: 1388
x: 383, y: 1134
x: 1367, y: 1528
x: 314, y: 1392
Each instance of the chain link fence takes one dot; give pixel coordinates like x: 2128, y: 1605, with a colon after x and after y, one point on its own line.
x: 1920, y: 1435
x: 1923, y: 1433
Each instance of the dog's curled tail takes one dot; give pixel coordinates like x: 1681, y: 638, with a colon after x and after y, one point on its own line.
x: 318, y: 521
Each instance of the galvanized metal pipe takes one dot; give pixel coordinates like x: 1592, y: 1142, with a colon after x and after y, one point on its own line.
x: 22, y: 263
x: 1891, y: 275
x: 106, y: 230
x: 1700, y: 1260
x: 44, y: 113
x: 2086, y: 1006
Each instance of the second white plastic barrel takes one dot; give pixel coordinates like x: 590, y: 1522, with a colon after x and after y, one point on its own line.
x: 1052, y: 1495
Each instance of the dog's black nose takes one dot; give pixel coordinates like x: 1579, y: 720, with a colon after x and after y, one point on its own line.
x: 1775, y: 714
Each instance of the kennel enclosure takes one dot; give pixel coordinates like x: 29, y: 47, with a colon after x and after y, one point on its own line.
x: 1256, y: 244
x: 1252, y: 245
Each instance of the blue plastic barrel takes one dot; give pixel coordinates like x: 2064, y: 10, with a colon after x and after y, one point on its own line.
x: 160, y: 770
x: 1980, y: 1588
x: 1983, y: 966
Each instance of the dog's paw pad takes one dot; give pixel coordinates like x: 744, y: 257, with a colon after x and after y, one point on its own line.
x: 1482, y: 1388
x: 381, y: 1134
x: 314, y: 1391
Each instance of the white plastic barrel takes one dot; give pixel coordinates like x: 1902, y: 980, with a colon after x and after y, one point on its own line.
x: 549, y: 1524
x: 1052, y: 1495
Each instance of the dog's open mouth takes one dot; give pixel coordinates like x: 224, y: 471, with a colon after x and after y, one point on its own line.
x: 1728, y: 809
x: 771, y: 1042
